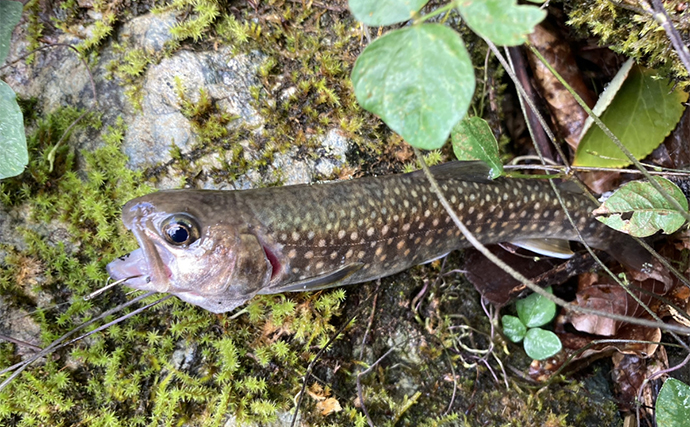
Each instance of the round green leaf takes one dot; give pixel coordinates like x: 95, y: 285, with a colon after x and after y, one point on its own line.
x: 10, y: 14
x: 473, y: 140
x: 419, y: 80
x: 673, y: 404
x: 377, y: 13
x: 513, y: 328
x: 645, y: 210
x: 503, y: 22
x: 642, y: 113
x: 540, y: 344
x: 13, y: 153
x: 535, y: 310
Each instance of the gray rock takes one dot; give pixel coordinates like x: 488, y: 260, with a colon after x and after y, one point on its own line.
x: 149, y: 32
x: 161, y: 124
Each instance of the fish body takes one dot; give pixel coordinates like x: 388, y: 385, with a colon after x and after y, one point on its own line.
x: 217, y: 249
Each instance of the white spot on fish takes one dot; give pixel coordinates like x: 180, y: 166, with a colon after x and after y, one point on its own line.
x: 295, y: 236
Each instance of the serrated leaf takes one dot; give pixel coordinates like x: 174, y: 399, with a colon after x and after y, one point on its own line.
x: 13, y: 153
x: 643, y: 112
x: 377, y: 13
x: 540, y: 344
x: 504, y: 22
x: 10, y: 14
x: 473, y: 140
x: 673, y: 404
x: 639, y: 210
x: 535, y: 310
x: 419, y: 80
x: 513, y: 328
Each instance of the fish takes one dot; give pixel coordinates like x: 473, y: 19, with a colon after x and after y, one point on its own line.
x: 218, y: 249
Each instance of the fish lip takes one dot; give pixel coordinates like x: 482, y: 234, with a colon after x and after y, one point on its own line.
x: 133, y: 269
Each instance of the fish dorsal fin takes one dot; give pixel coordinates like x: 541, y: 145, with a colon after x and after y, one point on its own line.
x: 324, y: 281
x: 555, y: 248
x: 473, y: 171
x: 570, y: 186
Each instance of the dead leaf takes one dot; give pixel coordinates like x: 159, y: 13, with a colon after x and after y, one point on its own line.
x: 628, y: 375
x: 328, y: 406
x: 500, y: 288
x: 606, y: 295
x: 566, y: 112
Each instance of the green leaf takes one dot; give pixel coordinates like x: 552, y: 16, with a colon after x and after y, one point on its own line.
x: 377, y: 13
x: 473, y: 140
x: 419, y: 80
x: 673, y: 404
x: 501, y: 21
x: 535, y: 310
x: 13, y: 153
x: 513, y: 328
x: 10, y: 14
x: 643, y: 112
x: 645, y: 210
x: 540, y: 344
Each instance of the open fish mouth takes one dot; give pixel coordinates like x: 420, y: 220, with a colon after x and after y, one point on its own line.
x: 135, y: 267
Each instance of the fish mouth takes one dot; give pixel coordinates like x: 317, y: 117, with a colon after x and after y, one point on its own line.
x: 136, y: 272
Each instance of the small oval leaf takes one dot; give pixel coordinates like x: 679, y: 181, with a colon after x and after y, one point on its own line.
x: 673, y: 404
x: 504, y: 22
x: 10, y: 14
x: 642, y: 113
x: 419, y: 80
x: 13, y: 152
x: 473, y: 140
x: 513, y: 328
x: 540, y: 344
x: 535, y: 310
x: 377, y: 13
x: 639, y: 210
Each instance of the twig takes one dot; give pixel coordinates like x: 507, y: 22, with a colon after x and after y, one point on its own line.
x: 359, y: 385
x: 371, y: 319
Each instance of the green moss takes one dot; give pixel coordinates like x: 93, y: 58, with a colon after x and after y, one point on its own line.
x: 636, y: 35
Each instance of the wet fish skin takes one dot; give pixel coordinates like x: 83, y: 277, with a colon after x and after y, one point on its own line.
x: 308, y: 237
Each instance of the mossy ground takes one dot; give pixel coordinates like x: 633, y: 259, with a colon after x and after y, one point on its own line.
x: 179, y: 365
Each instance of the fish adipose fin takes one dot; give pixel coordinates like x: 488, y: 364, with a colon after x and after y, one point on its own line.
x: 555, y: 248
x: 317, y: 283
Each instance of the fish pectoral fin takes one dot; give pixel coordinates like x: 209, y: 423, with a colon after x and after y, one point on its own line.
x: 324, y: 281
x: 555, y: 248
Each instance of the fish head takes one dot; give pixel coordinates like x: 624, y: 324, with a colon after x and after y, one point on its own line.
x: 188, y: 250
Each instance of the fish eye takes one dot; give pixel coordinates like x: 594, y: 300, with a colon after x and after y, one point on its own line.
x: 180, y: 229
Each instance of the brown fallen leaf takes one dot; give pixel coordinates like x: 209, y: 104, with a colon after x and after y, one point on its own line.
x: 328, y: 406
x: 499, y: 287
x: 628, y: 375
x: 604, y: 294
x: 566, y: 112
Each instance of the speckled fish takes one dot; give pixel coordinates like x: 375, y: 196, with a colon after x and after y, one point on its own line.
x: 217, y: 249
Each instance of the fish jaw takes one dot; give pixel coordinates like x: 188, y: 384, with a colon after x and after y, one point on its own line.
x: 133, y: 268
